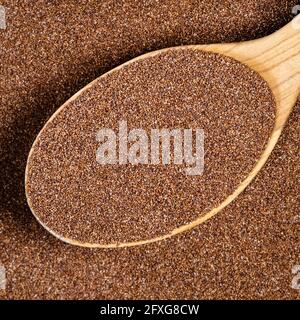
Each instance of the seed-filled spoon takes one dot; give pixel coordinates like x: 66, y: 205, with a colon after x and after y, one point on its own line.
x: 275, y: 58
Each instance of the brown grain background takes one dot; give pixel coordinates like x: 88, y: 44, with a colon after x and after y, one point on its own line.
x: 49, y: 50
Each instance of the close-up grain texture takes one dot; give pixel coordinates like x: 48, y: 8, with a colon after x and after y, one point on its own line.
x: 50, y: 50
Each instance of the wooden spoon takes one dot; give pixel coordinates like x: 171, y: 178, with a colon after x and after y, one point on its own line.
x: 277, y: 59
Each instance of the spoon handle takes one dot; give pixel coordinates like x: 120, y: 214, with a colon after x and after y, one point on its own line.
x: 279, y: 63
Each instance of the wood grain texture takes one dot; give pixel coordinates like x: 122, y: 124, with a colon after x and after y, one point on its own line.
x: 277, y: 59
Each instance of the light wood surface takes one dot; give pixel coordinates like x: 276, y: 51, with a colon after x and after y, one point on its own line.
x: 277, y: 59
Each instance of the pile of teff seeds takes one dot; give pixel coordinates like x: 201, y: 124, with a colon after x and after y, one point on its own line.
x: 246, y: 251
x: 80, y: 199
